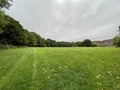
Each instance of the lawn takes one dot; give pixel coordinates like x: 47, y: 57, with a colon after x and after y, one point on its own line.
x: 60, y: 69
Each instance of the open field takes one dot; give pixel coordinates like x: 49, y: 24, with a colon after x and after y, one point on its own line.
x: 60, y: 69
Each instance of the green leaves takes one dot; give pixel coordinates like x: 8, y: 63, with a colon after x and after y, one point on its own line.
x: 12, y: 32
x: 5, y: 4
x: 116, y: 41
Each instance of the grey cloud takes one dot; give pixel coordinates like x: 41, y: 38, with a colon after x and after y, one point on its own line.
x: 69, y: 20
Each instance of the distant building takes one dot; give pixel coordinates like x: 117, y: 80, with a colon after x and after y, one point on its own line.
x: 105, y: 43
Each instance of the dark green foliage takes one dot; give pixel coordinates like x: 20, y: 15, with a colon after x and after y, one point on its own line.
x: 51, y: 43
x: 67, y: 44
x: 36, y: 40
x: 79, y: 44
x: 3, y: 21
x: 63, y: 44
x: 119, y: 30
x: 12, y: 33
x: 116, y: 41
x: 5, y: 4
x: 87, y: 43
x: 32, y: 41
x: 48, y: 41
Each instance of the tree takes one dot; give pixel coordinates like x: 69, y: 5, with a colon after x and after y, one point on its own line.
x: 3, y: 21
x: 13, y: 35
x: 79, y: 44
x: 5, y: 4
x: 119, y: 30
x: 12, y: 31
x: 51, y: 43
x: 32, y: 40
x: 64, y: 44
x: 116, y: 41
x: 40, y: 40
x: 87, y: 43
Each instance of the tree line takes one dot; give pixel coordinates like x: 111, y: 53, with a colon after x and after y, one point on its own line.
x: 13, y: 33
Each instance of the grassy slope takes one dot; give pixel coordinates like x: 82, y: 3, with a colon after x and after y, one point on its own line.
x: 60, y: 69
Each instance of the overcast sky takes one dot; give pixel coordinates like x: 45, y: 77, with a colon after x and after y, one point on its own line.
x: 69, y: 20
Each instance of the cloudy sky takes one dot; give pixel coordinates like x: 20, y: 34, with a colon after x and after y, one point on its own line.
x: 69, y: 20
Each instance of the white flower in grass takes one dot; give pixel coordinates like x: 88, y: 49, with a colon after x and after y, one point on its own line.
x: 98, y: 76
x: 110, y: 74
x: 3, y: 78
x: 33, y: 65
x: 81, y: 78
x: 48, y: 77
x: 56, y: 75
x: 60, y: 67
x: 117, y: 65
x: 99, y: 84
x: 118, y: 86
x: 84, y: 86
x: 118, y: 77
x: 65, y: 66
x: 52, y: 70
x: 114, y: 70
x: 43, y: 69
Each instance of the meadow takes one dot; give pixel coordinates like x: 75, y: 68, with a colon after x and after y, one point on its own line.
x: 60, y: 69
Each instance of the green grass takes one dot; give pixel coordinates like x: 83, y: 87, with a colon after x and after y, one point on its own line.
x: 60, y: 69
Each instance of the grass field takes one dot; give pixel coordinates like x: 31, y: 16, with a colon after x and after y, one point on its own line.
x: 60, y: 69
